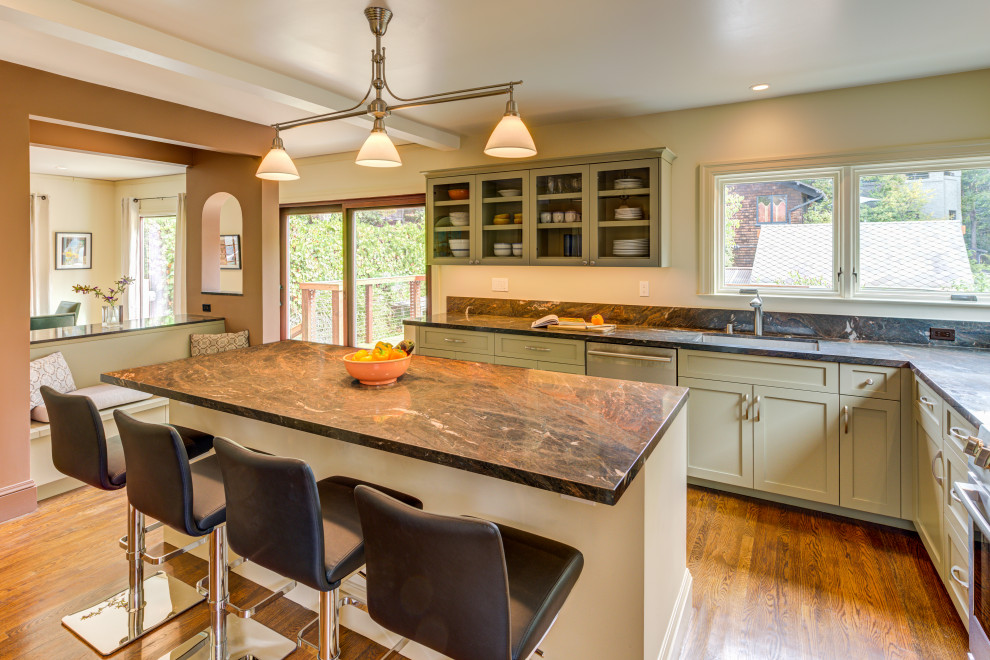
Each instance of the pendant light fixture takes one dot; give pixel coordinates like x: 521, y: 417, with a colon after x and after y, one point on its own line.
x: 510, y: 139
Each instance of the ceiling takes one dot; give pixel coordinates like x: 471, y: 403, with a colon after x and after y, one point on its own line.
x: 270, y: 61
x: 96, y: 166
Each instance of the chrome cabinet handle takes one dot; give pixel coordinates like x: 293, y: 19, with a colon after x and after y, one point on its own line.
x: 756, y: 409
x: 454, y: 341
x: 954, y: 495
x: 935, y: 460
x: 745, y: 406
x: 845, y: 418
x: 955, y: 571
x: 968, y: 492
x: 928, y: 402
x: 647, y: 358
x: 959, y: 433
x: 537, y: 348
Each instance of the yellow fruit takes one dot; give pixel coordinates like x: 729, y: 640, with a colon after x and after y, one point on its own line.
x: 597, y: 320
x: 397, y: 354
x: 360, y: 355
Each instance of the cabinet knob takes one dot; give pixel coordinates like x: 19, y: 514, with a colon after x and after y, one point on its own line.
x: 869, y: 381
x: 584, y: 263
x: 592, y: 263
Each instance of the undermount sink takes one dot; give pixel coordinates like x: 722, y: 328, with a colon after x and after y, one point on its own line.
x: 762, y: 342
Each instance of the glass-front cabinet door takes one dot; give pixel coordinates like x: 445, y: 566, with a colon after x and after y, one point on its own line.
x: 452, y: 225
x: 503, y: 223
x: 625, y: 213
x: 559, y: 213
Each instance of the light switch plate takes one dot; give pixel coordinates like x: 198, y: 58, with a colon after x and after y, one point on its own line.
x: 500, y: 284
x: 644, y: 289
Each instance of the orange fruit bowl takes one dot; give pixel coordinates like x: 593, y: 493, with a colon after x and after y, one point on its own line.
x: 380, y: 372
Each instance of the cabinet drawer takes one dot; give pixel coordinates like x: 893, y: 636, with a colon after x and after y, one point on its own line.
x: 563, y: 351
x: 774, y: 372
x: 866, y: 380
x: 516, y: 362
x: 956, y: 429
x: 542, y: 366
x: 955, y: 470
x: 956, y: 576
x: 462, y: 341
x: 928, y: 406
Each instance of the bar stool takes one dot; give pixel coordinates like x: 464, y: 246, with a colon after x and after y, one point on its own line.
x: 298, y: 527
x: 81, y: 450
x: 189, y: 498
x: 467, y: 588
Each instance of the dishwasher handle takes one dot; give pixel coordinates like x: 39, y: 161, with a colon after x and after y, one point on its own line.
x: 645, y: 358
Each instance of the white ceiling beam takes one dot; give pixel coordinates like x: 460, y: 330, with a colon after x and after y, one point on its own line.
x: 78, y: 23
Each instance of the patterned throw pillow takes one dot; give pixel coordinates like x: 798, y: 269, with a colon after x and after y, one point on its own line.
x: 210, y: 344
x: 52, y: 371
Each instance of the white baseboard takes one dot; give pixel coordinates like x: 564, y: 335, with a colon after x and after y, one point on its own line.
x: 680, y: 620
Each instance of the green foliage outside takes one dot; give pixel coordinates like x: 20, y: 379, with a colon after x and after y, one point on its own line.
x: 899, y: 199
x: 388, y: 243
x: 733, y: 202
x: 159, y: 263
x: 976, y: 220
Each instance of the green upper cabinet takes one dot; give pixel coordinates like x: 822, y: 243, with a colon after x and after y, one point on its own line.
x: 559, y: 209
x: 625, y: 213
x: 452, y: 223
x: 504, y: 235
x: 597, y: 210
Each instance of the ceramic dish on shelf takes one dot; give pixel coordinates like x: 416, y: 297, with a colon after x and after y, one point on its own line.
x: 444, y: 221
x: 459, y: 218
x: 628, y: 184
x: 510, y: 192
x: 517, y: 249
x: 460, y: 243
x: 459, y: 253
x: 502, y: 252
x: 458, y: 193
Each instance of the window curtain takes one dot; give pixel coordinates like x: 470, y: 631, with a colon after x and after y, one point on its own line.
x: 41, y: 250
x: 179, y: 269
x: 130, y: 256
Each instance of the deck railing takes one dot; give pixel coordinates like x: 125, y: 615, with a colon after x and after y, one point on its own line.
x: 382, y: 304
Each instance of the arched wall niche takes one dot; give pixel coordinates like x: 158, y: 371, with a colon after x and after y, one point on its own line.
x: 222, y: 217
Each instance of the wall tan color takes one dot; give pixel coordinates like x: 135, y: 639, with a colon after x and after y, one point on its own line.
x: 48, y: 97
x: 939, y: 109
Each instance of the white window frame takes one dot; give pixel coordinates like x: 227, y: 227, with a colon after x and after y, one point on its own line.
x: 847, y: 168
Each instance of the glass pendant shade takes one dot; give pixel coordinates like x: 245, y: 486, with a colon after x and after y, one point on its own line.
x: 378, y: 150
x: 511, y: 139
x: 277, y: 166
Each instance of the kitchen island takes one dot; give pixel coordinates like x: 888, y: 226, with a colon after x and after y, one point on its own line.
x: 598, y: 464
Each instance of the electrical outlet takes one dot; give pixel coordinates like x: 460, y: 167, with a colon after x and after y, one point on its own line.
x: 644, y: 289
x: 946, y: 334
x: 500, y: 284
x: 207, y: 307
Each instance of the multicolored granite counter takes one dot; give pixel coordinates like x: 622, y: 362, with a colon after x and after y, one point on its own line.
x: 596, y: 463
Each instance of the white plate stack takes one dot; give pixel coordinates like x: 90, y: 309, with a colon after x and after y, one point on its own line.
x: 631, y: 247
x: 629, y: 213
x: 629, y: 183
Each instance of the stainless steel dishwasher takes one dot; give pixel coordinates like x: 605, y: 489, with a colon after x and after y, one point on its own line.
x: 640, y: 363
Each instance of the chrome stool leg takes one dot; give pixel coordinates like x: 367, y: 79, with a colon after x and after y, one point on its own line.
x: 147, y: 603
x: 229, y: 637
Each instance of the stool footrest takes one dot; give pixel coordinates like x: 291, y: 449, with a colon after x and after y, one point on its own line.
x: 161, y: 559
x: 122, y: 542
x: 247, y: 613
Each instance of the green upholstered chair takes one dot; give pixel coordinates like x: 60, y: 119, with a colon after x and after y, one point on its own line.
x: 52, y: 321
x: 69, y: 307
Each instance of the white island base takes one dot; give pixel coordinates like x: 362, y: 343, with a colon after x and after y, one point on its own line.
x: 633, y: 599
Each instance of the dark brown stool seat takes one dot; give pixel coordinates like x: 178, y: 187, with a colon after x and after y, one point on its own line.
x: 82, y: 450
x: 298, y: 527
x: 464, y: 587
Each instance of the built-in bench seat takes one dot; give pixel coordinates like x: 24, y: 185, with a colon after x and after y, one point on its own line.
x: 52, y: 482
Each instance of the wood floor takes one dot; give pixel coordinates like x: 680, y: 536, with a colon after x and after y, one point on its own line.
x: 770, y: 581
x: 773, y: 581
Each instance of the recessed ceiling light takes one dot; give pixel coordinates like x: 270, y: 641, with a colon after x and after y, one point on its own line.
x: 760, y: 87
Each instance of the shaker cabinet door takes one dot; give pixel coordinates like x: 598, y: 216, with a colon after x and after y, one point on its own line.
x: 870, y: 455
x: 720, y: 431
x: 929, y: 491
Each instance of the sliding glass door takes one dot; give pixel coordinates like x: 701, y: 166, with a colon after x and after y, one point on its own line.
x: 353, y: 271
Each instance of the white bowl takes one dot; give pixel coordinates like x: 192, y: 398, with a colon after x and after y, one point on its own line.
x: 502, y: 252
x: 460, y: 243
x: 517, y: 251
x: 517, y: 245
x: 503, y: 246
x: 459, y: 253
x: 458, y: 222
x: 510, y: 192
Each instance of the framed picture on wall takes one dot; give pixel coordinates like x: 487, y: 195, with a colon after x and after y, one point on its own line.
x: 230, y: 251
x: 73, y: 250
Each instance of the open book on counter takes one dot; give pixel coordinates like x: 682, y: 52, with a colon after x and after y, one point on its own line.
x: 565, y: 323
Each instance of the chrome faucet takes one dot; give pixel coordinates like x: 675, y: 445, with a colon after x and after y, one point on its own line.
x: 757, y: 304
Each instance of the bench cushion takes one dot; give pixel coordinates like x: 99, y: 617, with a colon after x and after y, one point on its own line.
x: 103, y: 396
x: 218, y: 343
x: 53, y: 371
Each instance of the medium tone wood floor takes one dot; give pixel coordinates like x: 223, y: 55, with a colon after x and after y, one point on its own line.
x: 773, y: 581
x: 64, y: 557
x: 770, y: 581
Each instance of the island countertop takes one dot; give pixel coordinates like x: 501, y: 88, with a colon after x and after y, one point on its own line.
x: 577, y: 435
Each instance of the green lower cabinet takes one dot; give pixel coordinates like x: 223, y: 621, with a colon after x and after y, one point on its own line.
x: 455, y: 355
x: 539, y: 364
x: 516, y: 362
x: 870, y: 455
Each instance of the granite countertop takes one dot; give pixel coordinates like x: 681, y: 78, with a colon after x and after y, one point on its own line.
x: 576, y: 435
x: 96, y: 329
x: 960, y: 375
